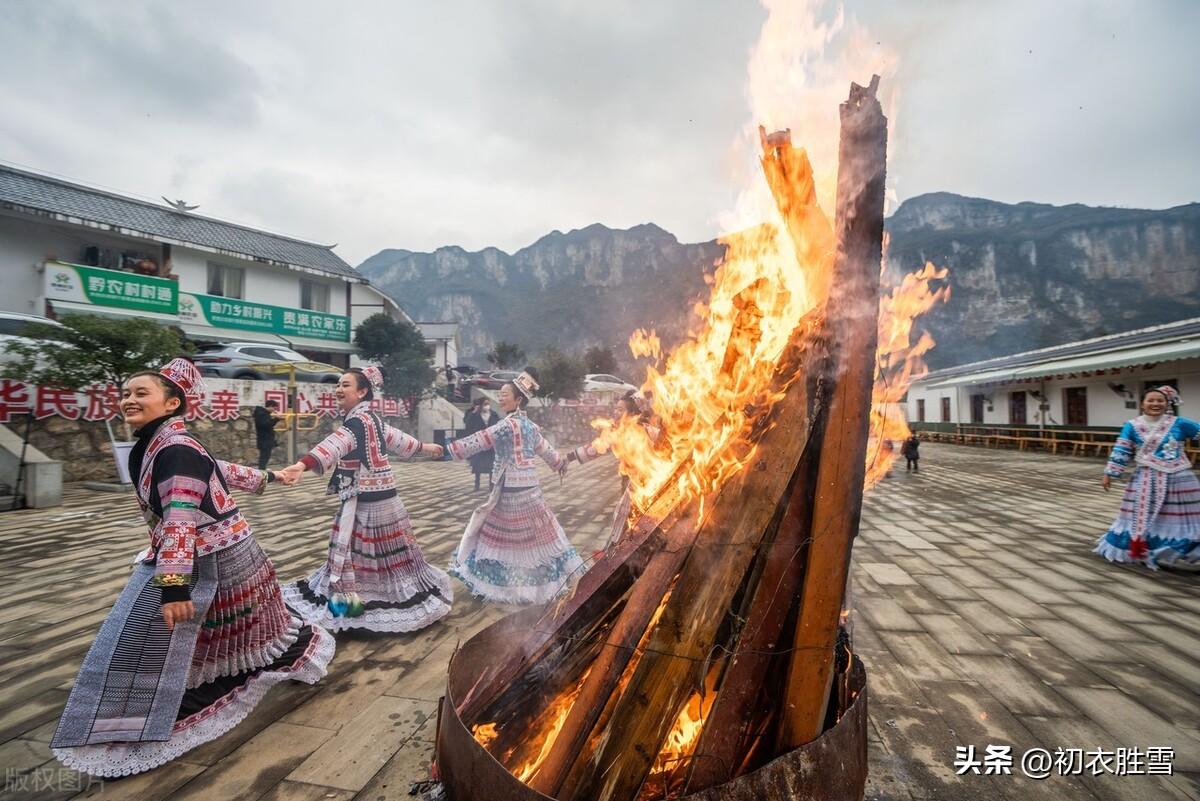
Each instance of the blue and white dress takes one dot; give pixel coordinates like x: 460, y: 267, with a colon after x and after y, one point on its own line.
x: 514, y: 551
x: 1159, y: 521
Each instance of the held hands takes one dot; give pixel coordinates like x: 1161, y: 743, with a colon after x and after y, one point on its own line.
x: 432, y: 449
x: 178, y: 612
x: 290, y: 475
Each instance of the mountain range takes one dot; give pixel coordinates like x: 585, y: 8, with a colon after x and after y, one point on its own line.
x: 1023, y: 276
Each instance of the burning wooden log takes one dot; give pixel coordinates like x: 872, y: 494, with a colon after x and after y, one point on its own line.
x: 837, y: 505
x: 714, y: 623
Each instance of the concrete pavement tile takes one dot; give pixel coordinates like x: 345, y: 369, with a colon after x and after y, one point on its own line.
x: 1167, y: 661
x: 1013, y: 603
x: 1049, y: 663
x: 887, y: 615
x: 299, y: 791
x: 921, y: 656
x: 946, y: 588
x: 888, y: 575
x: 1131, y: 724
x: 985, y: 617
x: 957, y: 636
x: 256, y: 766
x: 409, y: 764
x: 349, y: 759
x: 1156, y: 692
x: 1014, y: 686
x: 156, y: 785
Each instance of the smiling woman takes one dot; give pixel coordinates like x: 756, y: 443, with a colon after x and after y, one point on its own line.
x: 202, y: 619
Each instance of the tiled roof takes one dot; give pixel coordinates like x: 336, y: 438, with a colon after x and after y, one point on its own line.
x: 26, y: 190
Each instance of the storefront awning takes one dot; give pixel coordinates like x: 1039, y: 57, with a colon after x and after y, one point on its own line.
x: 206, y: 333
x: 71, y: 307
x: 1105, y: 360
x: 320, y: 345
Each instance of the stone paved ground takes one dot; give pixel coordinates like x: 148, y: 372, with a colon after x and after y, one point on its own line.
x: 981, y: 615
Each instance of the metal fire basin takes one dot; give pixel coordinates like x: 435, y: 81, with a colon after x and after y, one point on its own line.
x: 832, y: 767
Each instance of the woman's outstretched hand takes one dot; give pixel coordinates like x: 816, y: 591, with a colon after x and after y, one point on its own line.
x: 290, y: 475
x: 1106, y: 482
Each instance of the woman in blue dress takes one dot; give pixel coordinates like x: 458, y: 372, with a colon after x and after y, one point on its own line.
x: 1159, y: 521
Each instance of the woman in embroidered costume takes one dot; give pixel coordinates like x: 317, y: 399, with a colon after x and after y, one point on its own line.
x: 200, y: 632
x: 627, y: 407
x: 514, y: 551
x: 1159, y: 519
x: 375, y: 577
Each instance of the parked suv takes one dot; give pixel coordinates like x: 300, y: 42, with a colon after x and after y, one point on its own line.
x: 603, y: 382
x: 248, y: 360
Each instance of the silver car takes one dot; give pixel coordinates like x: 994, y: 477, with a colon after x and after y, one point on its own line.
x: 256, y: 360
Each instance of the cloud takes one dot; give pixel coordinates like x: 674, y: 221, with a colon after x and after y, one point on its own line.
x: 413, y: 125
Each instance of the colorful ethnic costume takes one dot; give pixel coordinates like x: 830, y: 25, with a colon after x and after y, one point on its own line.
x: 514, y: 551
x: 145, y: 694
x: 1159, y: 519
x: 375, y: 577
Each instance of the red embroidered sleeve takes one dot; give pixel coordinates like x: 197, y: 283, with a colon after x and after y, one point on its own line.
x: 585, y: 453
x: 399, y: 443
x: 325, y: 454
x: 239, y: 476
x: 181, y: 496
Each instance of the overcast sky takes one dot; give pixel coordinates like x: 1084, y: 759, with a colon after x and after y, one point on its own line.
x: 416, y: 125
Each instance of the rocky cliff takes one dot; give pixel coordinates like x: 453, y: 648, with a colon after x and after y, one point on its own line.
x: 1024, y: 276
x: 587, y: 287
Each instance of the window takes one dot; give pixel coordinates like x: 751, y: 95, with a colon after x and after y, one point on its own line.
x: 314, y: 296
x: 261, y: 353
x: 977, y: 402
x: 945, y: 410
x: 225, y: 281
x: 1018, y: 414
x: 1075, y: 403
x: 1161, y: 382
x: 920, y: 410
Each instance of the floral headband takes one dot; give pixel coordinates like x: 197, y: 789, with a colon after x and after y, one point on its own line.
x: 1170, y: 393
x: 526, y: 385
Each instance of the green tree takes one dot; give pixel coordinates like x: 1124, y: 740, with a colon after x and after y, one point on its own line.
x: 402, y: 352
x: 506, y: 356
x: 600, y: 359
x: 560, y: 375
x: 89, y: 349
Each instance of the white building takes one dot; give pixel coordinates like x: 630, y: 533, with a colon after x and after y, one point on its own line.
x: 1093, y: 383
x: 66, y: 248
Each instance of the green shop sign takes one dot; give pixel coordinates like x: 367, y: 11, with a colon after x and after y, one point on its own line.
x: 101, y: 287
x: 243, y: 315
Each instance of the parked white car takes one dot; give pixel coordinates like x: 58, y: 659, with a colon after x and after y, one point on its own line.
x: 12, y: 329
x: 603, y: 382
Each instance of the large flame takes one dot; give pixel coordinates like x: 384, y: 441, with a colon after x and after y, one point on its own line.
x: 899, y: 361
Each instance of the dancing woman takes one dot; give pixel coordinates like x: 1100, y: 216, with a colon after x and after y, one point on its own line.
x: 375, y: 577
x: 627, y: 407
x: 514, y: 551
x: 200, y: 632
x: 1159, y: 519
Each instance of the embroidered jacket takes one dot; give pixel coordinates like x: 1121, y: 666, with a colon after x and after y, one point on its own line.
x: 517, y: 441
x: 1154, y: 444
x: 183, y: 492
x: 359, y: 451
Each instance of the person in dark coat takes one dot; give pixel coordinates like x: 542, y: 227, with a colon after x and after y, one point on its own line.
x: 264, y: 431
x: 912, y: 453
x: 480, y: 417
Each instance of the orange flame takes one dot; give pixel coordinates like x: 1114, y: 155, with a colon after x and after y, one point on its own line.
x: 899, y: 362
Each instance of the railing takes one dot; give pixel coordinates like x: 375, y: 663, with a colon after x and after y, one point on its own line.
x: 1068, y: 441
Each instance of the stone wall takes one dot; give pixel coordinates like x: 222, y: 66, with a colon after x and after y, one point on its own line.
x: 84, y: 449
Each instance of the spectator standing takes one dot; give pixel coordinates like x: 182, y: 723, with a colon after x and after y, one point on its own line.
x: 264, y: 431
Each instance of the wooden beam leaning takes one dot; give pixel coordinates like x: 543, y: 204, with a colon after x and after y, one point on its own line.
x: 725, y: 740
x: 853, y: 315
